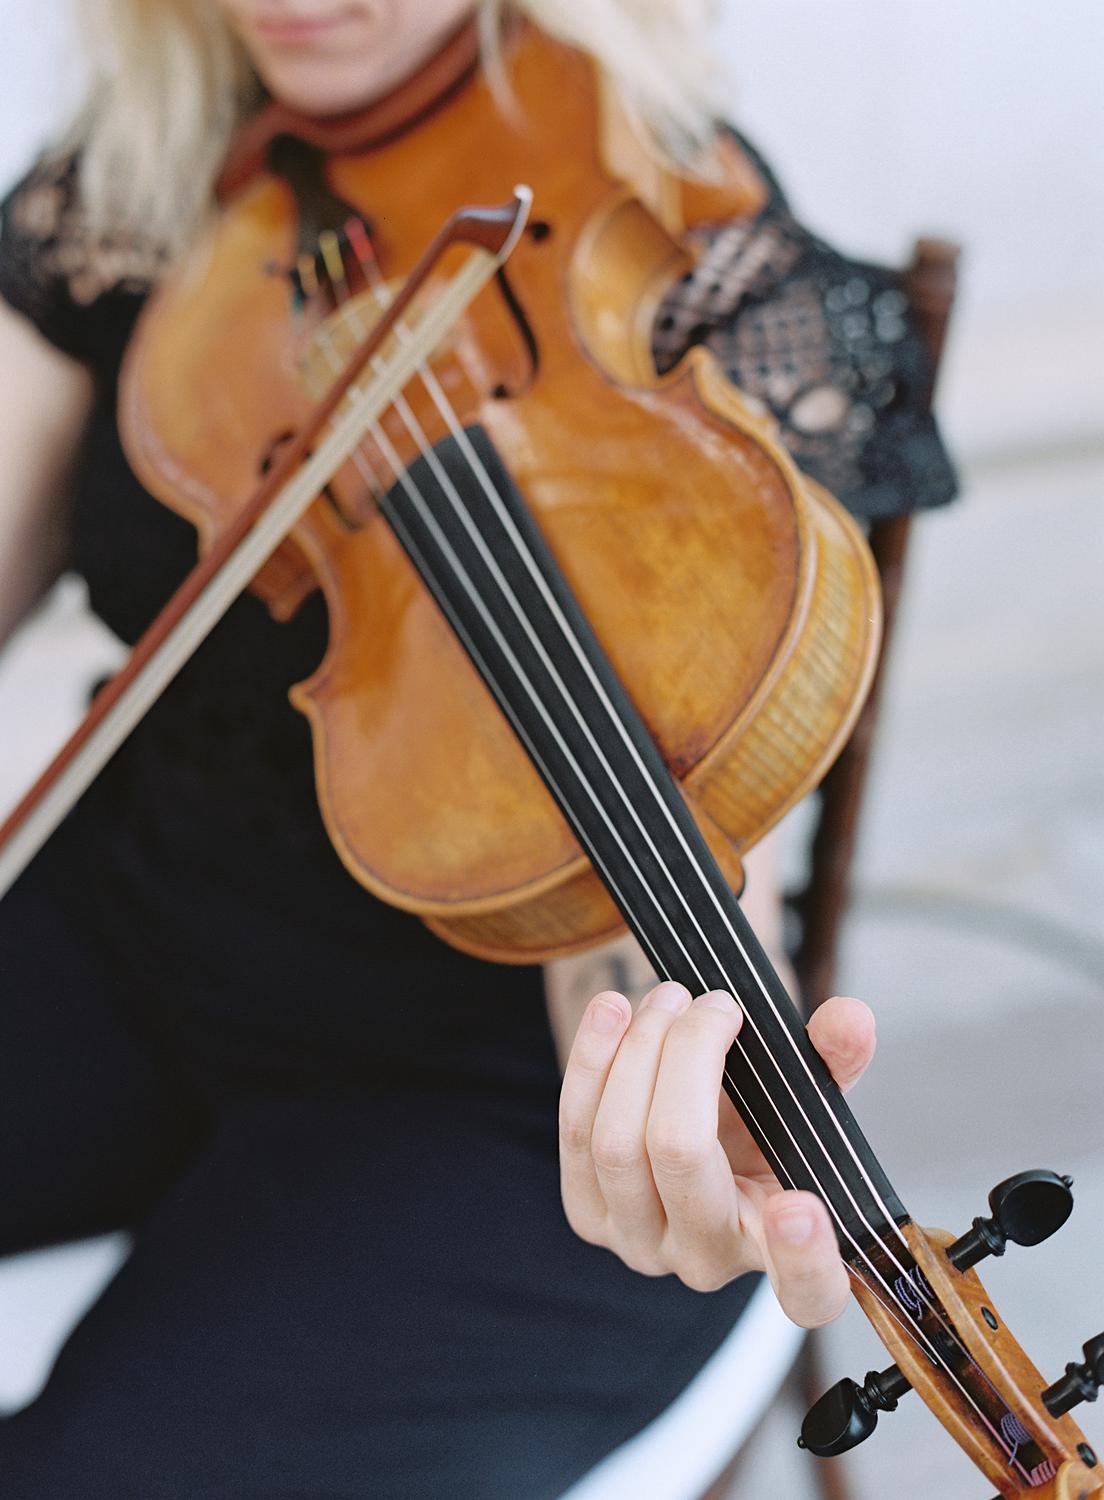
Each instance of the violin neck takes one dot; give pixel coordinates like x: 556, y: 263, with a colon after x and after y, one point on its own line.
x: 480, y: 553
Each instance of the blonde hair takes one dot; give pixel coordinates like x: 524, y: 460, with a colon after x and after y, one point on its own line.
x: 170, y: 82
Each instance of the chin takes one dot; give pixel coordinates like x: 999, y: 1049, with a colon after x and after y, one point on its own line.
x: 321, y: 88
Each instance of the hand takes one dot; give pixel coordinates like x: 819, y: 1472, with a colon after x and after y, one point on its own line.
x: 653, y: 1167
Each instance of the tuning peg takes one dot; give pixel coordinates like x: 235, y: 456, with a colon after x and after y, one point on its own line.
x: 846, y: 1415
x: 1026, y: 1209
x: 1080, y: 1382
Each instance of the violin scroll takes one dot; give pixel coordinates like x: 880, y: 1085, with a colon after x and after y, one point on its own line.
x: 938, y: 1322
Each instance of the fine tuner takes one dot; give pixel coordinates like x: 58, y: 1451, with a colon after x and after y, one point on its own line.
x: 1024, y: 1209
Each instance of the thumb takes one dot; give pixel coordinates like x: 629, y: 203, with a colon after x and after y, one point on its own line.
x: 803, y: 1259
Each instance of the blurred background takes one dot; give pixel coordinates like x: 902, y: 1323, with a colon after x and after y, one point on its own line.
x: 976, y: 928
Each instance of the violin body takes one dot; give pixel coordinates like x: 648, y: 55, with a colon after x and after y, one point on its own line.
x: 736, y: 601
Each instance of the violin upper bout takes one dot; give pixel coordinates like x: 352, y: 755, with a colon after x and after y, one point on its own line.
x: 723, y: 184
x: 220, y: 332
x: 623, y: 264
x: 622, y: 268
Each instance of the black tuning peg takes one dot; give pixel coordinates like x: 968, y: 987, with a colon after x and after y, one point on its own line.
x: 846, y: 1415
x: 1080, y: 1382
x: 1026, y: 1209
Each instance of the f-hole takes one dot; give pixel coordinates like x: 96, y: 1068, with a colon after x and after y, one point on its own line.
x: 521, y: 322
x: 268, y: 461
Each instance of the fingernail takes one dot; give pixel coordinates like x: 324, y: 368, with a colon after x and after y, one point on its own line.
x: 795, y: 1226
x: 717, y: 1000
x: 604, y: 1017
x: 669, y: 997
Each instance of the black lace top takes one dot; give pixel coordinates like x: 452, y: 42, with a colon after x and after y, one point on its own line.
x: 826, y: 343
x: 208, y: 814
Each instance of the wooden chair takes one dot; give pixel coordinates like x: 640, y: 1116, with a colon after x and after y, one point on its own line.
x: 929, y: 284
x: 768, y: 1360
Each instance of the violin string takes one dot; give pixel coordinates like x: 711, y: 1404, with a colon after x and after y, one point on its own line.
x: 910, y: 1333
x: 400, y: 470
x: 411, y: 546
x: 420, y: 439
x: 916, y: 1335
x: 403, y: 477
x: 448, y: 413
x: 479, y: 470
x: 487, y: 485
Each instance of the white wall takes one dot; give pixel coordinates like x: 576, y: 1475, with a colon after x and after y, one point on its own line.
x: 39, y: 77
x: 978, y: 119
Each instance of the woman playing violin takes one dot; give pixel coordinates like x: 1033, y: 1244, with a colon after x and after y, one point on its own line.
x: 360, y: 1265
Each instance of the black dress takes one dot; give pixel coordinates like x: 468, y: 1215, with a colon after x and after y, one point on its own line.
x: 332, y: 1135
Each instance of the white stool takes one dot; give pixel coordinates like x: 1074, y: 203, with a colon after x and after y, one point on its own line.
x: 43, y: 1295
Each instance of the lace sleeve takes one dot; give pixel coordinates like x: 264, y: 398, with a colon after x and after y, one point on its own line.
x: 828, y: 344
x: 71, y: 283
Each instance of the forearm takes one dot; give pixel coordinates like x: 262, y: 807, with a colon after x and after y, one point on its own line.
x: 570, y: 983
x: 47, y: 400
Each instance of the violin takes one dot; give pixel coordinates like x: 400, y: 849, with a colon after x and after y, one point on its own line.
x: 591, y: 632
x: 557, y: 383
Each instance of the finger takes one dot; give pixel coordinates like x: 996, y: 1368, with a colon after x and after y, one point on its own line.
x: 803, y: 1259
x: 743, y: 1154
x: 600, y: 1031
x: 842, y: 1030
x: 620, y: 1149
x: 689, y: 1166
